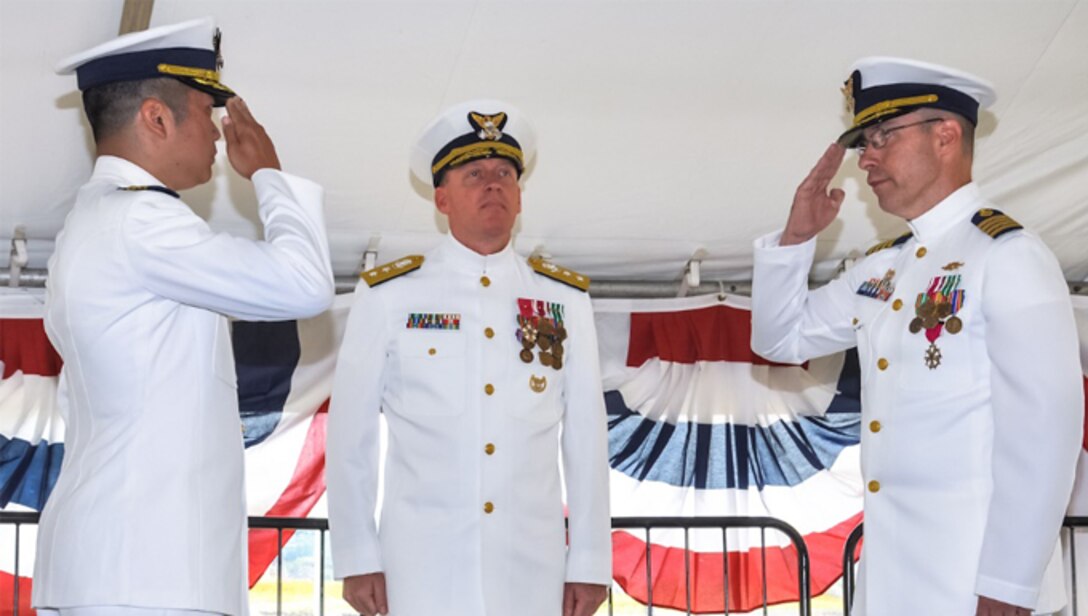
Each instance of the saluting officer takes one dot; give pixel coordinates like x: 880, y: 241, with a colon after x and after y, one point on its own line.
x: 971, y: 396
x: 485, y: 366
x: 148, y: 513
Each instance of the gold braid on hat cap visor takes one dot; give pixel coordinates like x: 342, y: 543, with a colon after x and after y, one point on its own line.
x: 202, y: 76
x: 480, y: 149
x: 884, y: 108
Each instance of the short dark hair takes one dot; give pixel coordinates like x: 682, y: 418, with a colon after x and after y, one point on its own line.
x: 110, y: 107
x: 967, y: 129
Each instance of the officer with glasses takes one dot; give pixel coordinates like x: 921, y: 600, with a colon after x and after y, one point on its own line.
x: 972, y: 402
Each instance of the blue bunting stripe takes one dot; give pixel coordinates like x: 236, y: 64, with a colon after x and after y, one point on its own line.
x: 727, y: 456
x: 265, y: 357
x: 28, y: 472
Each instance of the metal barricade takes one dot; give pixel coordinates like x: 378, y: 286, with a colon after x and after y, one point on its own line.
x: 18, y: 520
x: 645, y: 524
x: 1069, y: 525
x: 281, y: 524
x: 723, y: 523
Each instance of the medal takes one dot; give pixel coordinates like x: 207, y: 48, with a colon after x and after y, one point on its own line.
x: 933, y: 356
x: 953, y: 325
x: 935, y: 311
x: 540, y: 326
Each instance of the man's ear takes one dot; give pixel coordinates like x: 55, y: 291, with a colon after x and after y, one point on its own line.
x: 949, y: 133
x: 155, y: 118
x: 442, y: 200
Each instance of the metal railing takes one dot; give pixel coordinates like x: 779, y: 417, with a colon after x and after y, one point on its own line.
x: 723, y: 523
x: 1069, y: 525
x: 321, y: 525
x: 645, y: 524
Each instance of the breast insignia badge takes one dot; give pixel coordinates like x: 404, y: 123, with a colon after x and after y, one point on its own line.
x: 538, y: 383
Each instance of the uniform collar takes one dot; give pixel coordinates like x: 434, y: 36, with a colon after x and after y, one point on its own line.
x: 951, y: 210
x: 122, y: 172
x: 462, y: 256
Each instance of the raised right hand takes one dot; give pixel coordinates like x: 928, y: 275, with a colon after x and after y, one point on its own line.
x: 366, y: 593
x: 814, y: 206
x: 249, y: 147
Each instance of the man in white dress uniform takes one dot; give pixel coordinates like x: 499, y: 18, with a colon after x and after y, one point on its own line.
x: 971, y: 396
x: 148, y: 514
x: 485, y: 367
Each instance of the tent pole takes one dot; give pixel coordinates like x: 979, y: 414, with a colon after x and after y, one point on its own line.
x: 627, y: 289
x: 136, y: 15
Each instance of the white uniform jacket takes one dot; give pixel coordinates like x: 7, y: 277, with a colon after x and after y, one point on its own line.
x: 148, y: 510
x: 972, y: 418
x: 472, y: 516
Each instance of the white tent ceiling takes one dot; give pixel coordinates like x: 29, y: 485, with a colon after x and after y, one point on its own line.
x: 665, y: 127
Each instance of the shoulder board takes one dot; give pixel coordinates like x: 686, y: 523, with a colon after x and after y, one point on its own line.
x: 159, y: 189
x: 994, y: 223
x: 889, y: 244
x: 555, y: 272
x: 385, y: 273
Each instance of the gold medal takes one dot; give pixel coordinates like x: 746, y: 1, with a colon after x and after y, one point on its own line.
x: 954, y: 325
x: 944, y: 310
x: 544, y: 342
x: 545, y: 358
x: 929, y: 321
x: 526, y: 356
x: 928, y: 309
x: 557, y: 363
x: 916, y: 325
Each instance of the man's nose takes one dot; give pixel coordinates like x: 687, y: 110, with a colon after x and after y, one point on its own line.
x: 867, y: 159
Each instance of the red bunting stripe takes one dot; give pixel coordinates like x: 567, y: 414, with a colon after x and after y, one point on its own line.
x: 25, y: 348
x: 7, y: 595
x: 302, y: 493
x: 745, y: 571
x: 714, y: 333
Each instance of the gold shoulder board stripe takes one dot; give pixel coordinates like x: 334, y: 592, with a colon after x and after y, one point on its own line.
x: 389, y: 271
x: 994, y: 223
x: 566, y: 276
x: 888, y: 244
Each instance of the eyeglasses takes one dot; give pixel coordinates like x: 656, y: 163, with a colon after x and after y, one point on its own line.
x: 879, y: 137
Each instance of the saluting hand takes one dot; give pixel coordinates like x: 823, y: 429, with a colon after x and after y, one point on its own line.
x: 248, y: 147
x: 581, y: 599
x: 814, y: 206
x: 366, y: 593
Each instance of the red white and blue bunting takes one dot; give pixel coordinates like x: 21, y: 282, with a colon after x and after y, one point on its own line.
x: 698, y: 426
